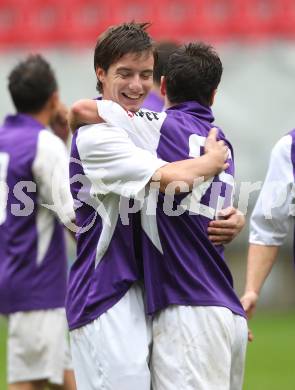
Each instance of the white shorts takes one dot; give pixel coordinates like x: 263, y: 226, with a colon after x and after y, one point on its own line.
x: 198, y: 348
x: 112, y: 352
x: 38, y: 346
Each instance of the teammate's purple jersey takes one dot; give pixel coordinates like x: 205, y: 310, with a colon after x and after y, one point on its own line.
x: 153, y: 102
x: 186, y: 268
x: 33, y: 257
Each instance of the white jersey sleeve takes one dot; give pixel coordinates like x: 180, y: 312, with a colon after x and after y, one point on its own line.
x: 112, y: 162
x: 272, y: 215
x: 143, y: 127
x: 51, y: 173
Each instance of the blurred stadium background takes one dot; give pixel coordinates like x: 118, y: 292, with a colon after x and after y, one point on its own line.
x: 254, y: 105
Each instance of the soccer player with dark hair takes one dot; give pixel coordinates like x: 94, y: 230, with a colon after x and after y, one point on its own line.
x: 155, y: 100
x: 33, y: 265
x: 109, y: 331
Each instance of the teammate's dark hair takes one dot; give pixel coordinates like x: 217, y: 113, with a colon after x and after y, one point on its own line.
x: 163, y: 49
x: 193, y: 73
x: 31, y: 83
x: 119, y: 40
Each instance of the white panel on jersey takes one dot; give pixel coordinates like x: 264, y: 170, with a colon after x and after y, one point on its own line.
x: 192, y: 202
x: 149, y: 219
x: 115, y: 167
x: 45, y: 229
x: 51, y: 173
x: 272, y: 215
x: 143, y: 127
x: 108, y: 210
x: 4, y: 160
x: 112, y: 162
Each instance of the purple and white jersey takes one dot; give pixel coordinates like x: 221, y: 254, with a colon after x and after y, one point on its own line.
x: 181, y: 265
x: 153, y: 102
x: 106, y: 170
x: 274, y: 211
x: 33, y: 256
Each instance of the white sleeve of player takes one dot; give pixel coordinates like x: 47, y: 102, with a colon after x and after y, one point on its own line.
x: 272, y: 215
x: 143, y: 127
x: 112, y: 162
x: 51, y: 173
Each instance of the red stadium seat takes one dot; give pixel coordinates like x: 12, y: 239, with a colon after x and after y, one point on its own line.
x: 51, y: 22
x: 285, y: 23
x: 46, y: 21
x: 11, y: 22
x: 87, y: 19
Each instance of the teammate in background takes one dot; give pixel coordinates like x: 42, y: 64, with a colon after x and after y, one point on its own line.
x: 33, y: 265
x: 105, y: 308
x: 199, y: 326
x: 271, y: 220
x: 155, y: 100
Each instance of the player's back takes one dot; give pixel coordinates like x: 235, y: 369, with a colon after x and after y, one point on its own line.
x: 33, y: 270
x: 181, y: 265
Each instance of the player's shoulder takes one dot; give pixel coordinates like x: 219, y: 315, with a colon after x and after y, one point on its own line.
x: 283, y: 146
x: 50, y: 143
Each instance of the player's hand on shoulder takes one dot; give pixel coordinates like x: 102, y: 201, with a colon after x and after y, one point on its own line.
x: 223, y: 230
x: 59, y: 122
x: 218, y: 152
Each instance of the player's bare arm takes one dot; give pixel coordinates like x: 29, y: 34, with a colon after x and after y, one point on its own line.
x: 187, y: 171
x: 211, y: 163
x: 261, y: 259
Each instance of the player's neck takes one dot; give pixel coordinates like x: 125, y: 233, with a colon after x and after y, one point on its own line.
x: 168, y: 104
x: 157, y: 91
x: 42, y: 116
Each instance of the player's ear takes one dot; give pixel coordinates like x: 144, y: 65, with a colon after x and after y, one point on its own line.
x: 212, y: 97
x: 53, y: 101
x: 100, y: 74
x: 163, y: 86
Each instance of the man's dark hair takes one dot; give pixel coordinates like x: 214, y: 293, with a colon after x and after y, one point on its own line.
x: 193, y: 73
x: 31, y: 83
x: 163, y: 49
x: 119, y: 40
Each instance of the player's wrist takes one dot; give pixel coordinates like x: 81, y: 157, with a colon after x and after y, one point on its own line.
x: 254, y: 293
x: 214, y: 163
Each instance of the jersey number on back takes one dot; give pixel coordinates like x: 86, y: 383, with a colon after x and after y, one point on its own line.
x: 192, y: 202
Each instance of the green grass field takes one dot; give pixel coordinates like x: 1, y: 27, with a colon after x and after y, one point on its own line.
x: 270, y: 359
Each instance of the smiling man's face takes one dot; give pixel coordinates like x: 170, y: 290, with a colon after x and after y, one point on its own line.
x: 129, y: 80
